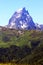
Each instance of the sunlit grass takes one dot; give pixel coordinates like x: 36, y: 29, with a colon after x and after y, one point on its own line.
x: 17, y: 64
x: 12, y: 64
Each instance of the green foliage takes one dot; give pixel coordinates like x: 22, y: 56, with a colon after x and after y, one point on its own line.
x: 12, y: 37
x: 25, y: 47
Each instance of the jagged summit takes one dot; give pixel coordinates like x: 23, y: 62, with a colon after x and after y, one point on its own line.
x: 21, y: 20
x: 21, y: 10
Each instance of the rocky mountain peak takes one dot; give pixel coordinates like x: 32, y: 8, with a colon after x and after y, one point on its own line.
x: 21, y: 19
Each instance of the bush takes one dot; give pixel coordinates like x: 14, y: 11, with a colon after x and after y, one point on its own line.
x: 5, y: 38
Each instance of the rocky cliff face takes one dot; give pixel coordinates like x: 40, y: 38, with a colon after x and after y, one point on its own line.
x: 21, y: 19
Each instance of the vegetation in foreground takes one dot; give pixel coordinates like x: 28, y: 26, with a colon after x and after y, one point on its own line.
x: 21, y: 47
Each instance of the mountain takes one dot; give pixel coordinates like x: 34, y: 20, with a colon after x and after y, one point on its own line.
x: 21, y: 47
x: 41, y: 27
x: 21, y: 19
x: 38, y: 27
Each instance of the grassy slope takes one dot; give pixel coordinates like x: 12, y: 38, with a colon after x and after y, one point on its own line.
x: 17, y: 39
x: 24, y: 39
x: 36, y: 57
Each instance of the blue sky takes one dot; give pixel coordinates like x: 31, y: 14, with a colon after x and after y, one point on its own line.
x: 8, y: 7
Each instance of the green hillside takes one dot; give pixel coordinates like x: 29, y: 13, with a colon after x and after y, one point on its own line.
x: 25, y: 46
x: 13, y: 37
x: 35, y: 58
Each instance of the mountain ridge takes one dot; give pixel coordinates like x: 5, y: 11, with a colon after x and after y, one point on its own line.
x: 21, y: 19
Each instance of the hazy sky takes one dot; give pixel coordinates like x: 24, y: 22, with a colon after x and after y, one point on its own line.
x: 8, y: 7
